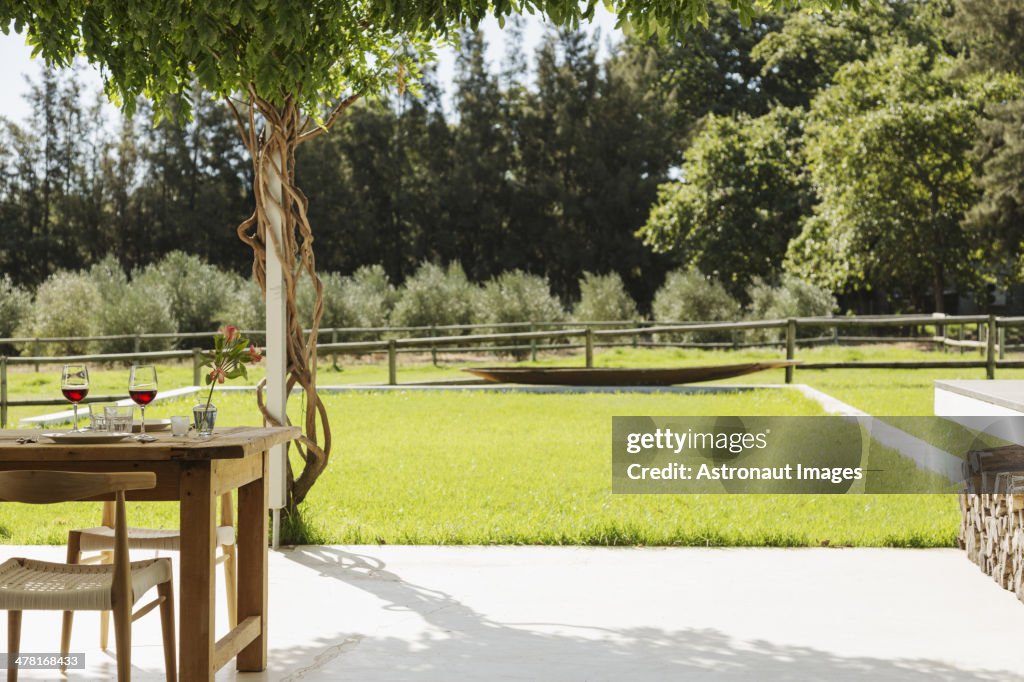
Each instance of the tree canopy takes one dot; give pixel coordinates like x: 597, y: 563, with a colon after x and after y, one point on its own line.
x: 312, y: 51
x: 741, y: 198
x: 888, y: 152
x: 906, y: 169
x: 991, y: 32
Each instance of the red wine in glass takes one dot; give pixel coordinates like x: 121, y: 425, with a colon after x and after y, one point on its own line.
x: 75, y: 395
x: 74, y: 384
x: 142, y: 389
x: 143, y: 397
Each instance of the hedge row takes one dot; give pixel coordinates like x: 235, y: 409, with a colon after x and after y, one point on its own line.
x: 182, y: 293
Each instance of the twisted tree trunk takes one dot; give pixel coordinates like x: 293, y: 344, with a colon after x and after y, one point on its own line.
x: 272, y: 140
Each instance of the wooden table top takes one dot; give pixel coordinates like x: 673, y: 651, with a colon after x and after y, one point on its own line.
x: 225, y: 443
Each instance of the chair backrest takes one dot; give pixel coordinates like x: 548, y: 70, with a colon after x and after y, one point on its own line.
x: 46, y: 487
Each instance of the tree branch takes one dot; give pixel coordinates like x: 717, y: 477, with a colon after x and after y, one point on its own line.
x: 247, y: 137
x: 338, y: 110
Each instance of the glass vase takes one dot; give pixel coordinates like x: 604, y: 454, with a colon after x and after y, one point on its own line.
x: 205, y: 419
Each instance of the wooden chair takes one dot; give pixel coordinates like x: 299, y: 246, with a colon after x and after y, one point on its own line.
x: 101, y: 539
x: 26, y: 584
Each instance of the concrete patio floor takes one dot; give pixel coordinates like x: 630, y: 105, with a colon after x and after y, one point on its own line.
x: 569, y: 613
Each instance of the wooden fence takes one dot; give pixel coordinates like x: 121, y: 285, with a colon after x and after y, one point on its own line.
x: 988, y: 332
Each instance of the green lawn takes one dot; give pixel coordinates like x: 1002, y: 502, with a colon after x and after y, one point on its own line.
x: 447, y: 467
x: 536, y: 469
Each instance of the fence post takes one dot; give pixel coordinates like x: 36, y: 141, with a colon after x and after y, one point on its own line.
x: 960, y: 337
x: 392, y: 362
x: 3, y: 391
x: 533, y: 344
x: 36, y: 352
x: 790, y: 347
x: 197, y: 362
x: 334, y: 356
x: 940, y: 329
x: 1002, y: 343
x: 590, y: 347
x: 636, y: 337
x: 137, y: 344
x: 433, y: 348
x: 990, y: 348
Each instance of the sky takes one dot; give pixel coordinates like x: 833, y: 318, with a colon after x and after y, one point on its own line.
x: 17, y: 62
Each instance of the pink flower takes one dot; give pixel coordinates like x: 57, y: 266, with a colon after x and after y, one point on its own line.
x: 230, y: 333
x: 218, y: 375
x: 254, y: 353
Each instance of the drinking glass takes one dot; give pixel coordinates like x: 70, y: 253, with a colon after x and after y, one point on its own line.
x: 142, y: 389
x: 74, y: 384
x: 98, y: 416
x: 119, y: 418
x: 179, y: 426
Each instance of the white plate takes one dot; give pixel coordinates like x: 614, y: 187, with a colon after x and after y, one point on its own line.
x: 85, y: 437
x: 152, y: 425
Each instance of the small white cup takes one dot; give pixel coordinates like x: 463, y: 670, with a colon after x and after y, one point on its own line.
x: 180, y: 426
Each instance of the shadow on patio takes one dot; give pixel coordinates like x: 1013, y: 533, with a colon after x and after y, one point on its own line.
x: 452, y: 640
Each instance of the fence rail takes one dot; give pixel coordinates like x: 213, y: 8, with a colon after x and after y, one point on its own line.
x: 989, y: 339
x: 650, y: 325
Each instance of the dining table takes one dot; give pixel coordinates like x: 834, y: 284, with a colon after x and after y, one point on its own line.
x: 194, y: 472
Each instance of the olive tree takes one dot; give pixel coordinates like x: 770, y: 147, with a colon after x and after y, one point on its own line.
x: 287, y: 70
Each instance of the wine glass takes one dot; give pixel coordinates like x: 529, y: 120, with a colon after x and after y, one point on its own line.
x: 74, y: 384
x: 142, y: 389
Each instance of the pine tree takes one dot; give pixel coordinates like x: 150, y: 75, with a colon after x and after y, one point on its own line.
x: 992, y: 34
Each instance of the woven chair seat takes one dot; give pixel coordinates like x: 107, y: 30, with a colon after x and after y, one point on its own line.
x: 27, y: 584
x: 102, y: 537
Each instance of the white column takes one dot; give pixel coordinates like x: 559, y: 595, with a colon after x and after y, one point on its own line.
x: 276, y: 351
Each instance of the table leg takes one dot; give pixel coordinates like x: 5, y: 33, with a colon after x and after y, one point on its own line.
x: 196, y: 607
x: 252, y: 567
